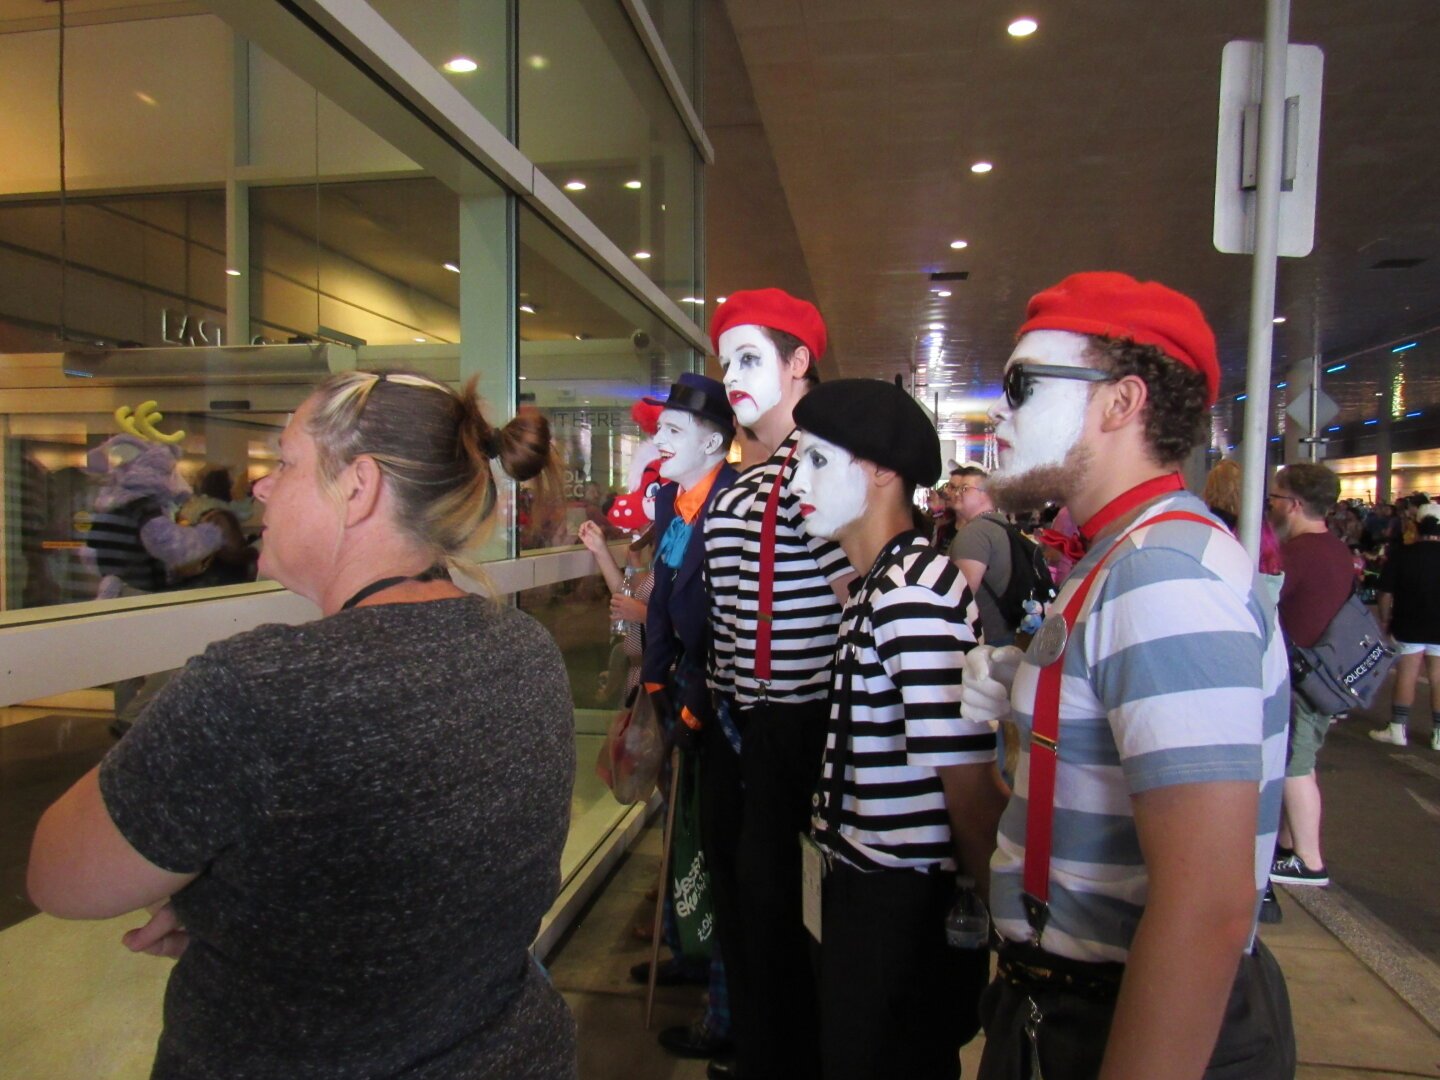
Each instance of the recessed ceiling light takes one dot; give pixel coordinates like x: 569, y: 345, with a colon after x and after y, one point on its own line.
x: 527, y: 309
x: 692, y: 299
x: 981, y: 167
x: 634, y: 185
x: 232, y: 272
x: 719, y: 299
x: 1022, y: 27
x: 461, y: 65
x: 538, y: 62
x: 145, y: 98
x: 942, y: 293
x: 641, y: 255
x: 523, y: 377
x: 575, y: 185
x: 959, y: 245
x: 1278, y: 319
x: 420, y: 341
x: 936, y: 326
x: 452, y: 268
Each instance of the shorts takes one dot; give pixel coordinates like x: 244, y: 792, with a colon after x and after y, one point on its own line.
x: 1407, y: 648
x: 1307, y: 735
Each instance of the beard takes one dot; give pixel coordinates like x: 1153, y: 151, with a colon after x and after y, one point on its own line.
x: 1043, y: 484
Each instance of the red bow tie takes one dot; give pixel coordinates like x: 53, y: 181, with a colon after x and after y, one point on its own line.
x: 1071, y: 545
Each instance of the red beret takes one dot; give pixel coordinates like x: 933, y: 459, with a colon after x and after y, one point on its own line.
x: 1110, y: 305
x: 774, y: 309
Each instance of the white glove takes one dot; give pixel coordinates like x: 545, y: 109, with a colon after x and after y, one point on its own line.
x: 985, y: 682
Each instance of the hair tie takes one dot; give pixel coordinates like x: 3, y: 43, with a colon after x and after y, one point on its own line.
x: 491, y: 443
x: 379, y: 376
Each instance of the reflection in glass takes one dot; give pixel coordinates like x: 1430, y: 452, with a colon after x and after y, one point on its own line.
x: 361, y: 262
x: 588, y: 351
x: 593, y: 111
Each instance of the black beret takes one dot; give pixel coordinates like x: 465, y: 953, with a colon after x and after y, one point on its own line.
x: 875, y: 421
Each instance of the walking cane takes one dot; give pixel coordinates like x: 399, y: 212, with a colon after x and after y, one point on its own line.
x: 664, y: 883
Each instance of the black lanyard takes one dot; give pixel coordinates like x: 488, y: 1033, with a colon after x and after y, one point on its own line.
x: 388, y: 583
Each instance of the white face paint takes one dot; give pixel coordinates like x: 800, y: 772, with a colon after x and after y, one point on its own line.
x: 830, y: 484
x: 1042, y: 430
x: 687, y: 448
x: 751, y: 364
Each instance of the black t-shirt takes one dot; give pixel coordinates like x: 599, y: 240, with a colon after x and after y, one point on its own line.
x: 1412, y: 576
x: 376, y: 805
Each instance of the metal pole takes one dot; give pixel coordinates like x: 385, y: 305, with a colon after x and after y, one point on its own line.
x: 1262, y: 278
x: 1314, y: 445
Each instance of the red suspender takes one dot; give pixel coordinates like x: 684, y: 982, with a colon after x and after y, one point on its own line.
x: 766, y: 600
x: 1045, y: 744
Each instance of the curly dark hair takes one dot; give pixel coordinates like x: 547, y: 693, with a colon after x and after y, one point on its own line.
x: 1176, y: 410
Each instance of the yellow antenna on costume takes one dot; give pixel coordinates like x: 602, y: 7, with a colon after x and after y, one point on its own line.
x: 141, y: 423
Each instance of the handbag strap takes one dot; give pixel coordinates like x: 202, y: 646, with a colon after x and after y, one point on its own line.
x: 1045, y: 742
x: 765, y: 602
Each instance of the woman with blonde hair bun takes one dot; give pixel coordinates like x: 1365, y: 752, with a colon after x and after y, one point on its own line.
x: 348, y: 830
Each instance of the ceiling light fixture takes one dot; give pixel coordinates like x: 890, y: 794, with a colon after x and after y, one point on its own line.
x: 527, y: 309
x: 981, y: 167
x: 461, y: 65
x: 1334, y: 368
x: 233, y: 272
x: 959, y: 245
x: 1022, y: 27
x: 642, y: 255
x: 936, y: 326
x: 574, y: 185
x: 145, y: 98
x: 692, y: 299
x: 419, y: 341
x: 538, y: 62
x: 942, y: 293
x: 522, y: 378
x: 1278, y: 319
x: 719, y: 299
x: 1404, y: 348
x: 452, y: 268
x: 634, y: 185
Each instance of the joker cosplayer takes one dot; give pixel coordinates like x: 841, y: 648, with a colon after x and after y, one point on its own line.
x: 775, y: 603
x: 909, y: 793
x: 1130, y: 863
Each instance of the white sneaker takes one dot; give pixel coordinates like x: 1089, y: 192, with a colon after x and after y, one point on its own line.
x: 1396, y: 735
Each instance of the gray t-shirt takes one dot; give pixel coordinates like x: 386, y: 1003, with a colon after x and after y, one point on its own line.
x: 985, y: 540
x: 376, y: 803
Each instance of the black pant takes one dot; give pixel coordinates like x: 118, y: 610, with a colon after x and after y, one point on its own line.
x: 754, y: 856
x: 1256, y: 1041
x: 720, y: 815
x: 895, y: 1000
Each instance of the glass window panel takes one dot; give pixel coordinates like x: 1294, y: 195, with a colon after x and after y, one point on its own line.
x: 361, y: 262
x: 588, y: 351
x: 593, y: 112
x: 454, y: 34
x: 675, y: 20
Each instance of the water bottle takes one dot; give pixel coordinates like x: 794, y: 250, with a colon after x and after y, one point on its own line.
x: 620, y: 626
x: 967, y: 926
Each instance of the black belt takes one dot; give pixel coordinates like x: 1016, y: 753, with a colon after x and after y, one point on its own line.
x: 1031, y: 969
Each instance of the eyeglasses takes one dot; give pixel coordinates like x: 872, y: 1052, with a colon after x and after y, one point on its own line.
x: 1019, y: 381
x: 1287, y: 498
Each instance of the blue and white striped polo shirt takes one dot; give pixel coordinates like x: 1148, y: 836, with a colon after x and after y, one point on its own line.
x: 1175, y: 674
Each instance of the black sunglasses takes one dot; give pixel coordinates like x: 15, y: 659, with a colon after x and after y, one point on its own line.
x: 1019, y: 381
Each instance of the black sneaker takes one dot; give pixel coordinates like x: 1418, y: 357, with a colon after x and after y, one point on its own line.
x: 1270, y: 912
x: 1291, y: 870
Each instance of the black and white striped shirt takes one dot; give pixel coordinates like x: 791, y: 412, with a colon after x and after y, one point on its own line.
x: 806, y: 611
x: 909, y: 624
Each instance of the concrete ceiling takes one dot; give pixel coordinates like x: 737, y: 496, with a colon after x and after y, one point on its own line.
x: 1102, y: 130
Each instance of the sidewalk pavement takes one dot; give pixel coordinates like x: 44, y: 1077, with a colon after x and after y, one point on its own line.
x: 1349, y: 1024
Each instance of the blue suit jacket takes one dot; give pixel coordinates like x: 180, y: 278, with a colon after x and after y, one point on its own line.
x: 677, y: 620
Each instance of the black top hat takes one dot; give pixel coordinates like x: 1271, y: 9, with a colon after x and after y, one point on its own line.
x: 703, y: 397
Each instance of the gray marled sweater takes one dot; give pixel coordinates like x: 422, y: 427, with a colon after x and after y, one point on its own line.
x: 376, y: 804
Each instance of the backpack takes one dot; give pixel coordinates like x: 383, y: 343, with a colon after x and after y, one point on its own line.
x: 1029, y: 578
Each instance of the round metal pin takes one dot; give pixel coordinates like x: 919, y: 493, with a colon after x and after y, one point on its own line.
x: 1049, y: 642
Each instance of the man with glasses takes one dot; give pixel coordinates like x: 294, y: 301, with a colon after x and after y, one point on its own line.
x: 1319, y: 574
x: 981, y: 550
x: 1130, y: 864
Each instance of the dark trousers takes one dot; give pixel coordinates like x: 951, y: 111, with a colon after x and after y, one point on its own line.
x: 720, y: 837
x: 1256, y: 1041
x: 754, y: 856
x: 895, y: 999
